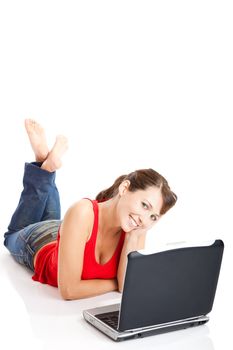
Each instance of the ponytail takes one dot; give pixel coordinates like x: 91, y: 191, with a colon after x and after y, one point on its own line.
x: 111, y: 191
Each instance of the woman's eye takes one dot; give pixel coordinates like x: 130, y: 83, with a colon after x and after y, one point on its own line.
x: 154, y: 217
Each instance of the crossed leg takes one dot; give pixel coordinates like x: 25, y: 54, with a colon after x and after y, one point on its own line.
x: 39, y: 199
x: 51, y: 160
x: 39, y: 204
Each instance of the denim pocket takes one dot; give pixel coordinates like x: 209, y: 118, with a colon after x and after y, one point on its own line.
x: 43, y: 233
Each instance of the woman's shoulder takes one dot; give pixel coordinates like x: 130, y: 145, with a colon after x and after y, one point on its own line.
x: 84, y: 205
x: 85, y: 208
x: 80, y: 214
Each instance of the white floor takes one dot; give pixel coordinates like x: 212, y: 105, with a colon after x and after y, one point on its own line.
x: 33, y: 316
x: 132, y: 84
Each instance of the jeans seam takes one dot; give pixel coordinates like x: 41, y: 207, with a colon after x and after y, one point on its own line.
x: 30, y: 250
x: 22, y: 238
x: 28, y: 237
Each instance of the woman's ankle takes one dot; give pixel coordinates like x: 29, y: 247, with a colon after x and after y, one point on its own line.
x: 48, y: 166
x: 52, y: 163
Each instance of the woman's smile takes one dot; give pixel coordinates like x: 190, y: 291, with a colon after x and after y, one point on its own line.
x: 132, y: 222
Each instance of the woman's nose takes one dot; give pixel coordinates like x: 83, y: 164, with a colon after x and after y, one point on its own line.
x: 144, y: 221
x: 147, y: 221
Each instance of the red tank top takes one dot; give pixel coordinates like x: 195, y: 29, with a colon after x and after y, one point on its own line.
x: 47, y: 259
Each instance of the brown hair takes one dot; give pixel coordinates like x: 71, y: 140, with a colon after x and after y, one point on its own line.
x: 140, y: 180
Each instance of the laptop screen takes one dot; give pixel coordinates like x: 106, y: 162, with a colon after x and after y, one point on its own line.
x: 170, y: 285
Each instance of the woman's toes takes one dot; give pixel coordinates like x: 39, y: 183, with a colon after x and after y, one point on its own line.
x: 37, y: 139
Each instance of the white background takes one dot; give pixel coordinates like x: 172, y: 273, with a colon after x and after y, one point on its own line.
x: 132, y: 84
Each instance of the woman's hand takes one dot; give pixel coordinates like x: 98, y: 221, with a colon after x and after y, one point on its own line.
x: 137, y: 233
x: 134, y: 237
x: 134, y: 240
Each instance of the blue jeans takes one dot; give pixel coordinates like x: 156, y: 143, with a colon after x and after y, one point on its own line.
x: 36, y: 219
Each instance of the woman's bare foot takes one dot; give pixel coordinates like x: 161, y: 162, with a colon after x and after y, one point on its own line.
x: 37, y: 139
x: 53, y: 161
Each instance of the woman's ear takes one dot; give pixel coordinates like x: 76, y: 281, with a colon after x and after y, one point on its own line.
x: 123, y: 187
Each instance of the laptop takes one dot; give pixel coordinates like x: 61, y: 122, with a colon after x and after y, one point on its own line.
x: 163, y: 291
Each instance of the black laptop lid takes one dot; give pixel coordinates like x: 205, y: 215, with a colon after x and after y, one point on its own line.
x: 170, y: 285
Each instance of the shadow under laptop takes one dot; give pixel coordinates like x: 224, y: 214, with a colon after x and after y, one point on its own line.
x: 188, y: 339
x: 191, y: 339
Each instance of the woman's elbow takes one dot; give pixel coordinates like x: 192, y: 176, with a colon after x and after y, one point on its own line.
x: 69, y: 294
x: 66, y: 296
x: 65, y: 293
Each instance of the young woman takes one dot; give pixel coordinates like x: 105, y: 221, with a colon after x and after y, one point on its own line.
x: 85, y: 254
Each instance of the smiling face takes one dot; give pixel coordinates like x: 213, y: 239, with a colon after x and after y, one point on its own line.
x: 139, y: 209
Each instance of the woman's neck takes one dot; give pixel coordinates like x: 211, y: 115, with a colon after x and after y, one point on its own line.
x: 108, y: 222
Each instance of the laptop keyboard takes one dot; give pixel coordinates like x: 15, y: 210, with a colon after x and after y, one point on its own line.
x: 110, y: 318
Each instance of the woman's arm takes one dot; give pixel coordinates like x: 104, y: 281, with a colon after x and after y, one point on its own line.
x: 91, y: 288
x: 73, y: 236
x: 134, y: 240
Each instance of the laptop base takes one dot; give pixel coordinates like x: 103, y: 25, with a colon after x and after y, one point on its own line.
x: 90, y: 317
